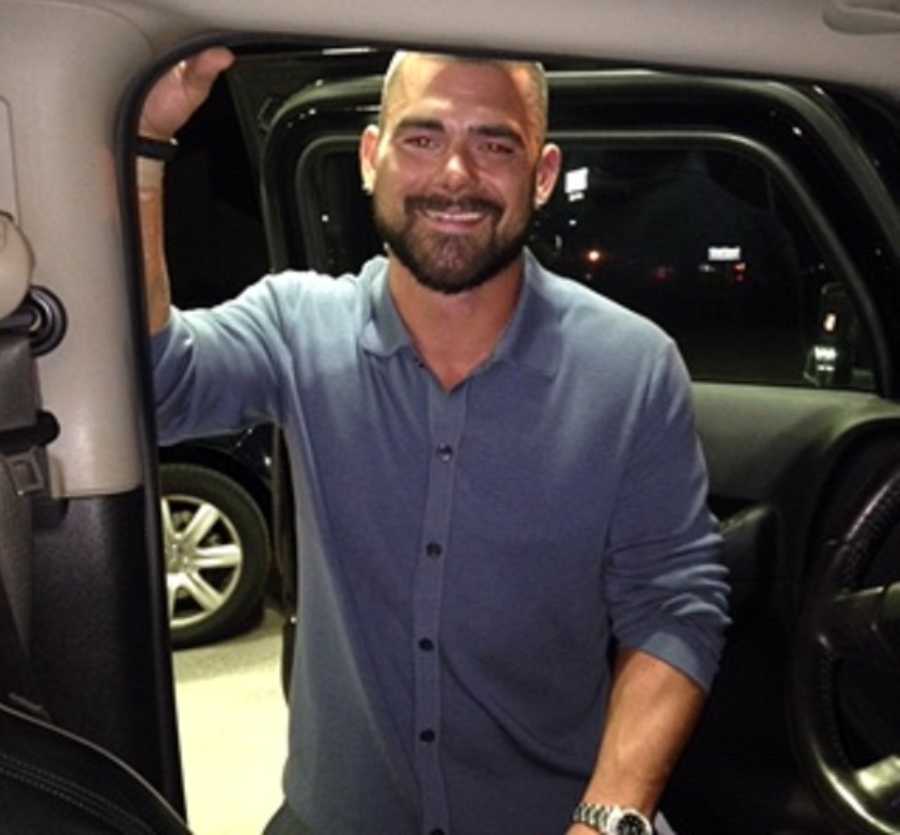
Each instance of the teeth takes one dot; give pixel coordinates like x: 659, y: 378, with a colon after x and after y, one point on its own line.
x: 454, y: 215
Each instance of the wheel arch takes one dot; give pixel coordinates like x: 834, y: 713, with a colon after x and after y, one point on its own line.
x: 219, y: 460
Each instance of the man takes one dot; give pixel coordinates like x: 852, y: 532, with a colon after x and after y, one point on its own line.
x: 498, y: 484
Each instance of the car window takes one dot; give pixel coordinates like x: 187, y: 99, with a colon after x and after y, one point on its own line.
x: 705, y: 240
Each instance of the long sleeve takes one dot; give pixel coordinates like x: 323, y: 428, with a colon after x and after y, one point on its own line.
x: 665, y: 582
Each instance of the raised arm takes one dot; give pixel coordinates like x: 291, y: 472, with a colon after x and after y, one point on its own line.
x: 172, y: 101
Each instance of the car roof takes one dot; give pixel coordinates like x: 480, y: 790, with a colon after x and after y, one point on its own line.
x: 849, y: 41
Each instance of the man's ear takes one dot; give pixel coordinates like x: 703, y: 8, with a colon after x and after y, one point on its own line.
x: 547, y: 173
x: 368, y: 157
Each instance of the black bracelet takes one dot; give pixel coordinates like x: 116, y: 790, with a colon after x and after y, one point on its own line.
x: 163, y: 150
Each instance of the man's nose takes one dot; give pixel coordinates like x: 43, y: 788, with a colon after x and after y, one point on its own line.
x: 459, y: 168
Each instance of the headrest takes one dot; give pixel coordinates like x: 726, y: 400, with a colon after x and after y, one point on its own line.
x: 16, y: 264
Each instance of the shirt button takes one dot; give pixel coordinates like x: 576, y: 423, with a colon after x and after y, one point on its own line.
x: 445, y: 452
x: 427, y: 735
x: 433, y: 549
x: 426, y: 644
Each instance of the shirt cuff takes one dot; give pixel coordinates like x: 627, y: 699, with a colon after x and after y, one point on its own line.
x: 698, y: 662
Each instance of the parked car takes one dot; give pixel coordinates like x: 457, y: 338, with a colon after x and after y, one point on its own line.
x: 744, y: 192
x: 216, y: 507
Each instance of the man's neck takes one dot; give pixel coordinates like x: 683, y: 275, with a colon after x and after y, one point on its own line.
x: 455, y: 334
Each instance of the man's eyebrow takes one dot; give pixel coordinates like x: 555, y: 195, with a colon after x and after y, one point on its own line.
x: 412, y: 123
x: 491, y: 131
x: 499, y: 132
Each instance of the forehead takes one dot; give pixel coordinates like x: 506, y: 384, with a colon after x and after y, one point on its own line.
x: 434, y: 86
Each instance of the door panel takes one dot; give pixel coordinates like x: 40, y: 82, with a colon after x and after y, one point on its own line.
x: 754, y: 436
x: 100, y: 642
x: 787, y: 467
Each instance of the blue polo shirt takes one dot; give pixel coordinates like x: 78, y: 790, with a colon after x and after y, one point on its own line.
x: 465, y: 557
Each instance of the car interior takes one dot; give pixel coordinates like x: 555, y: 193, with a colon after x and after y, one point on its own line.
x: 731, y: 172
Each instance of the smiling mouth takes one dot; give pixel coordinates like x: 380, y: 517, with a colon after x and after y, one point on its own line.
x: 452, y: 214
x: 457, y: 216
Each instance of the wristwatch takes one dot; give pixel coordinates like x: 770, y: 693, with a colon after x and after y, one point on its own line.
x: 612, y: 820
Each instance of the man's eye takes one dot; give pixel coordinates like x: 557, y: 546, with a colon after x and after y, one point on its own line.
x: 419, y: 142
x: 499, y: 148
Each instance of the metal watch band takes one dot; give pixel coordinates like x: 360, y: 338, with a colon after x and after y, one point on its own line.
x: 612, y: 820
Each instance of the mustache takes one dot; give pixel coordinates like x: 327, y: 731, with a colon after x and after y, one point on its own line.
x: 436, y: 203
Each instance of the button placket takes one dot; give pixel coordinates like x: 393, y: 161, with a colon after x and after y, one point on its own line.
x: 446, y: 420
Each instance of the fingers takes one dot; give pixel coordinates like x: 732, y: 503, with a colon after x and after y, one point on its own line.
x: 180, y: 91
x: 201, y: 70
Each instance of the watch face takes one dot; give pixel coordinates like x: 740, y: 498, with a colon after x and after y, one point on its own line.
x: 631, y: 824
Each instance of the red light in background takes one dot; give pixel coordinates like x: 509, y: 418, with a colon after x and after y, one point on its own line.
x: 663, y: 273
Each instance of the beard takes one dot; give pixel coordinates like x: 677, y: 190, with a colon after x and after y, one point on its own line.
x: 451, y: 263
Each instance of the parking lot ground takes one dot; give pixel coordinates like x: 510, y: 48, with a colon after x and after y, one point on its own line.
x: 232, y: 721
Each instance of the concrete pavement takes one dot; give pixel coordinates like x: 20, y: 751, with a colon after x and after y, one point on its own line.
x: 232, y: 721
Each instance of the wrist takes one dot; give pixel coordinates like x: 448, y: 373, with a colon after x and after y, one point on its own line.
x: 150, y: 174
x: 150, y: 147
x: 609, y: 819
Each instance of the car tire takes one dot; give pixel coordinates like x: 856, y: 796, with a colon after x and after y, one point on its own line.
x: 216, y: 552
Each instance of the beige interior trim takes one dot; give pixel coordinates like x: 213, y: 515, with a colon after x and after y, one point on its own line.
x: 16, y: 265
x: 864, y: 17
x: 9, y: 203
x: 62, y: 119
x: 795, y: 36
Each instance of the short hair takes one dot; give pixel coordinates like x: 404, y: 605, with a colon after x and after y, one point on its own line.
x: 538, y: 99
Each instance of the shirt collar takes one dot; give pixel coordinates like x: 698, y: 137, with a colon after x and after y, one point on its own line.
x: 531, y: 340
x: 384, y: 333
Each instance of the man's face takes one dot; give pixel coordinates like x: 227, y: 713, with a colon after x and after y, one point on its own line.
x: 456, y: 170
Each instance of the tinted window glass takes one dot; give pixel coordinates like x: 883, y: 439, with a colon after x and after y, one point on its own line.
x: 704, y: 241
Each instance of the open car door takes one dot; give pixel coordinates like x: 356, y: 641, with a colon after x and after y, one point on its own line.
x: 751, y: 223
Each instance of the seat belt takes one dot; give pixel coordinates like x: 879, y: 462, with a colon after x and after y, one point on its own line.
x: 24, y: 432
